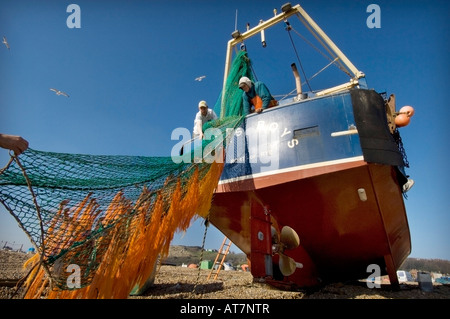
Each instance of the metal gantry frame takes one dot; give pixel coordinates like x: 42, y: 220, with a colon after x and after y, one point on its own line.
x: 315, y: 30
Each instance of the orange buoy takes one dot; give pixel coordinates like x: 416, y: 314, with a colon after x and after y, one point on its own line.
x: 408, y: 110
x: 402, y: 120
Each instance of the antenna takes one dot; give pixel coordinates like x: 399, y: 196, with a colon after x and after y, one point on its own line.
x: 235, y: 21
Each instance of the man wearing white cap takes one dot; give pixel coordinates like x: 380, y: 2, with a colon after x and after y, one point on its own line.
x: 204, y: 115
x: 256, y: 96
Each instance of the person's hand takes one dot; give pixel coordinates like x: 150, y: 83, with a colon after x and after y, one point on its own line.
x: 15, y: 143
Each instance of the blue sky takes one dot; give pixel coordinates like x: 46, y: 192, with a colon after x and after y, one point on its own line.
x: 130, y: 70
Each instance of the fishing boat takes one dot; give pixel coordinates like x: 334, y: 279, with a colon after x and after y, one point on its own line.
x: 319, y: 197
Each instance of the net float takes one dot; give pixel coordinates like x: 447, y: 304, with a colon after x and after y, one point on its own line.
x: 402, y: 119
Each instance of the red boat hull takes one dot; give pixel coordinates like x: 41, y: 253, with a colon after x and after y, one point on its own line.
x: 341, y: 233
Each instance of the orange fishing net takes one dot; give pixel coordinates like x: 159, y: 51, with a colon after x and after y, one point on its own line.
x: 135, y: 243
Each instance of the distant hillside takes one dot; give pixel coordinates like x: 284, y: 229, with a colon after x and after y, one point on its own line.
x: 179, y: 255
x: 430, y: 265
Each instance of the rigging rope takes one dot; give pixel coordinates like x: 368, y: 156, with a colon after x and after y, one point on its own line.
x: 201, y: 256
x: 322, y: 53
x: 340, y: 66
x: 288, y: 29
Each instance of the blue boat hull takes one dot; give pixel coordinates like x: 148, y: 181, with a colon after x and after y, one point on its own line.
x: 329, y: 168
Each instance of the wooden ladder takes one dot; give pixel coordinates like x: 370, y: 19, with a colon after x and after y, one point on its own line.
x: 225, y: 244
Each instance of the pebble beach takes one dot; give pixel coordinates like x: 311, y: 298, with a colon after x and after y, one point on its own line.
x: 175, y: 282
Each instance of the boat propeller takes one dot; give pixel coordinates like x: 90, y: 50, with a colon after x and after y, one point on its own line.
x: 287, y: 239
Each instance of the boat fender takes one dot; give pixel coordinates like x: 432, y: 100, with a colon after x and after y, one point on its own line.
x: 403, y: 117
x: 402, y: 120
x: 408, y: 110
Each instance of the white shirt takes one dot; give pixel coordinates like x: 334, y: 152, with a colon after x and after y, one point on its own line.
x: 210, y: 115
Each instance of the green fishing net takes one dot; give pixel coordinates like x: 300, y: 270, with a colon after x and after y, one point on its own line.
x: 232, y: 95
x: 50, y: 194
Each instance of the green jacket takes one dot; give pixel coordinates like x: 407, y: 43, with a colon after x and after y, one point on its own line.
x: 260, y: 89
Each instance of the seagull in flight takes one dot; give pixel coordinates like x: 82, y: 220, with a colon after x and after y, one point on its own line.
x: 58, y: 92
x: 5, y: 42
x: 200, y: 78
